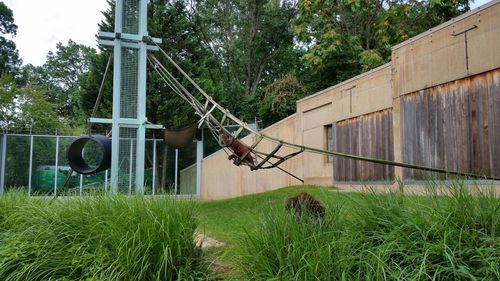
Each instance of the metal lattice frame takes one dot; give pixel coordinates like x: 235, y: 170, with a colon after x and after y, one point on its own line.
x: 129, y: 95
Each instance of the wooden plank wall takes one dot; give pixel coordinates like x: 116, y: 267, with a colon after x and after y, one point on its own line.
x: 369, y: 135
x: 454, y: 126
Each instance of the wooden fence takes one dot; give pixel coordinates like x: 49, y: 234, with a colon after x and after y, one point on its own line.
x: 369, y: 135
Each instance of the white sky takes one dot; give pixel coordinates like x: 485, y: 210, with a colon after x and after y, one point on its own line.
x: 44, y: 23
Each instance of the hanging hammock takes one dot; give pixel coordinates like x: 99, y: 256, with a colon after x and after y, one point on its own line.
x: 180, y: 138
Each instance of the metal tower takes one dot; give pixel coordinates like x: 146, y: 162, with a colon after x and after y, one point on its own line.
x: 129, y: 42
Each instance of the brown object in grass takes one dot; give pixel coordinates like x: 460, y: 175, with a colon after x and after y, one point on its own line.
x: 304, y: 202
x: 238, y: 148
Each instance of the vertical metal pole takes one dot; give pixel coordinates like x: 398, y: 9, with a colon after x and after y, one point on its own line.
x: 31, y: 166
x: 81, y: 184
x: 130, y: 166
x: 106, y: 181
x: 141, y: 100
x: 56, y: 166
x: 115, y: 143
x: 176, y: 169
x: 199, y: 157
x: 3, y: 157
x: 153, y: 182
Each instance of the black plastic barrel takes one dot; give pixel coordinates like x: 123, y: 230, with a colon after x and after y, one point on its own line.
x: 75, y: 154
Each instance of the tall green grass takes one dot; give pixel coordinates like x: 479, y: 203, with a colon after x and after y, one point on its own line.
x: 383, y: 237
x: 98, y: 238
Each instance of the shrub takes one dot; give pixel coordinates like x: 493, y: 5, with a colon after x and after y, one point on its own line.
x: 98, y: 238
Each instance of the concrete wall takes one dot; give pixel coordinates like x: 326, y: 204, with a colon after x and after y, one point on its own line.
x: 363, y: 94
x: 222, y: 179
x: 188, y: 180
x: 460, y: 48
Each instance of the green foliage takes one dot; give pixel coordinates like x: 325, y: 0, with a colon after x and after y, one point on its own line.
x: 280, y: 99
x: 8, y: 91
x: 251, y: 43
x: 90, y: 83
x: 380, y: 237
x: 26, y: 108
x: 60, y: 76
x: 98, y: 238
x: 344, y: 38
x: 9, y: 56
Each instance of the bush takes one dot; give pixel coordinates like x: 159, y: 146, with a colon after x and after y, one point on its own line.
x: 385, y: 237
x: 97, y: 238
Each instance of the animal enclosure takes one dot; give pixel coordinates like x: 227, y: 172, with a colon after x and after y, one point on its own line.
x: 435, y: 104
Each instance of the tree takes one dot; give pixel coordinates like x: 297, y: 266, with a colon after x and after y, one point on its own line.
x: 344, y: 38
x: 26, y: 108
x: 8, y: 91
x: 279, y: 99
x: 60, y: 76
x: 9, y: 56
x: 252, y: 45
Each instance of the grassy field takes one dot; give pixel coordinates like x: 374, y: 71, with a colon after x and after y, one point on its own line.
x: 227, y: 219
x: 364, y: 236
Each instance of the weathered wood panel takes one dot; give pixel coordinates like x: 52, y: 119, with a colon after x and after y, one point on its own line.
x: 454, y: 126
x: 467, y: 45
x: 370, y: 136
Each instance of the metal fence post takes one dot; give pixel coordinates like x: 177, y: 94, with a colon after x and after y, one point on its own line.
x: 153, y: 182
x: 56, y: 165
x: 81, y: 184
x: 31, y: 166
x: 131, y: 162
x: 176, y: 169
x: 3, y: 157
x: 199, y: 157
x: 106, y: 181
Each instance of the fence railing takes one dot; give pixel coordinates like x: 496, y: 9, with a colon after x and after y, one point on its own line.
x: 37, y: 164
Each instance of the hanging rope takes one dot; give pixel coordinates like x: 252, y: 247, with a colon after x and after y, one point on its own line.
x: 101, y: 91
x: 202, y: 109
x: 89, y: 125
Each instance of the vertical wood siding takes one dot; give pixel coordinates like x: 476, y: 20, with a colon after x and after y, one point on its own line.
x: 454, y: 126
x: 369, y: 135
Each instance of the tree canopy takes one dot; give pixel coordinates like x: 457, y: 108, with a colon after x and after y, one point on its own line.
x: 255, y: 57
x: 9, y: 56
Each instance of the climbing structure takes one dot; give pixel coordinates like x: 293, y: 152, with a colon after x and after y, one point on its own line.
x: 217, y: 118
x: 129, y: 122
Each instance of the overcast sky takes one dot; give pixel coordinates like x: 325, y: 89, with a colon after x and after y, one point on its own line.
x: 44, y: 23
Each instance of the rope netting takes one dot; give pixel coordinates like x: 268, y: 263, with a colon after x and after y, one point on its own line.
x: 258, y: 151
